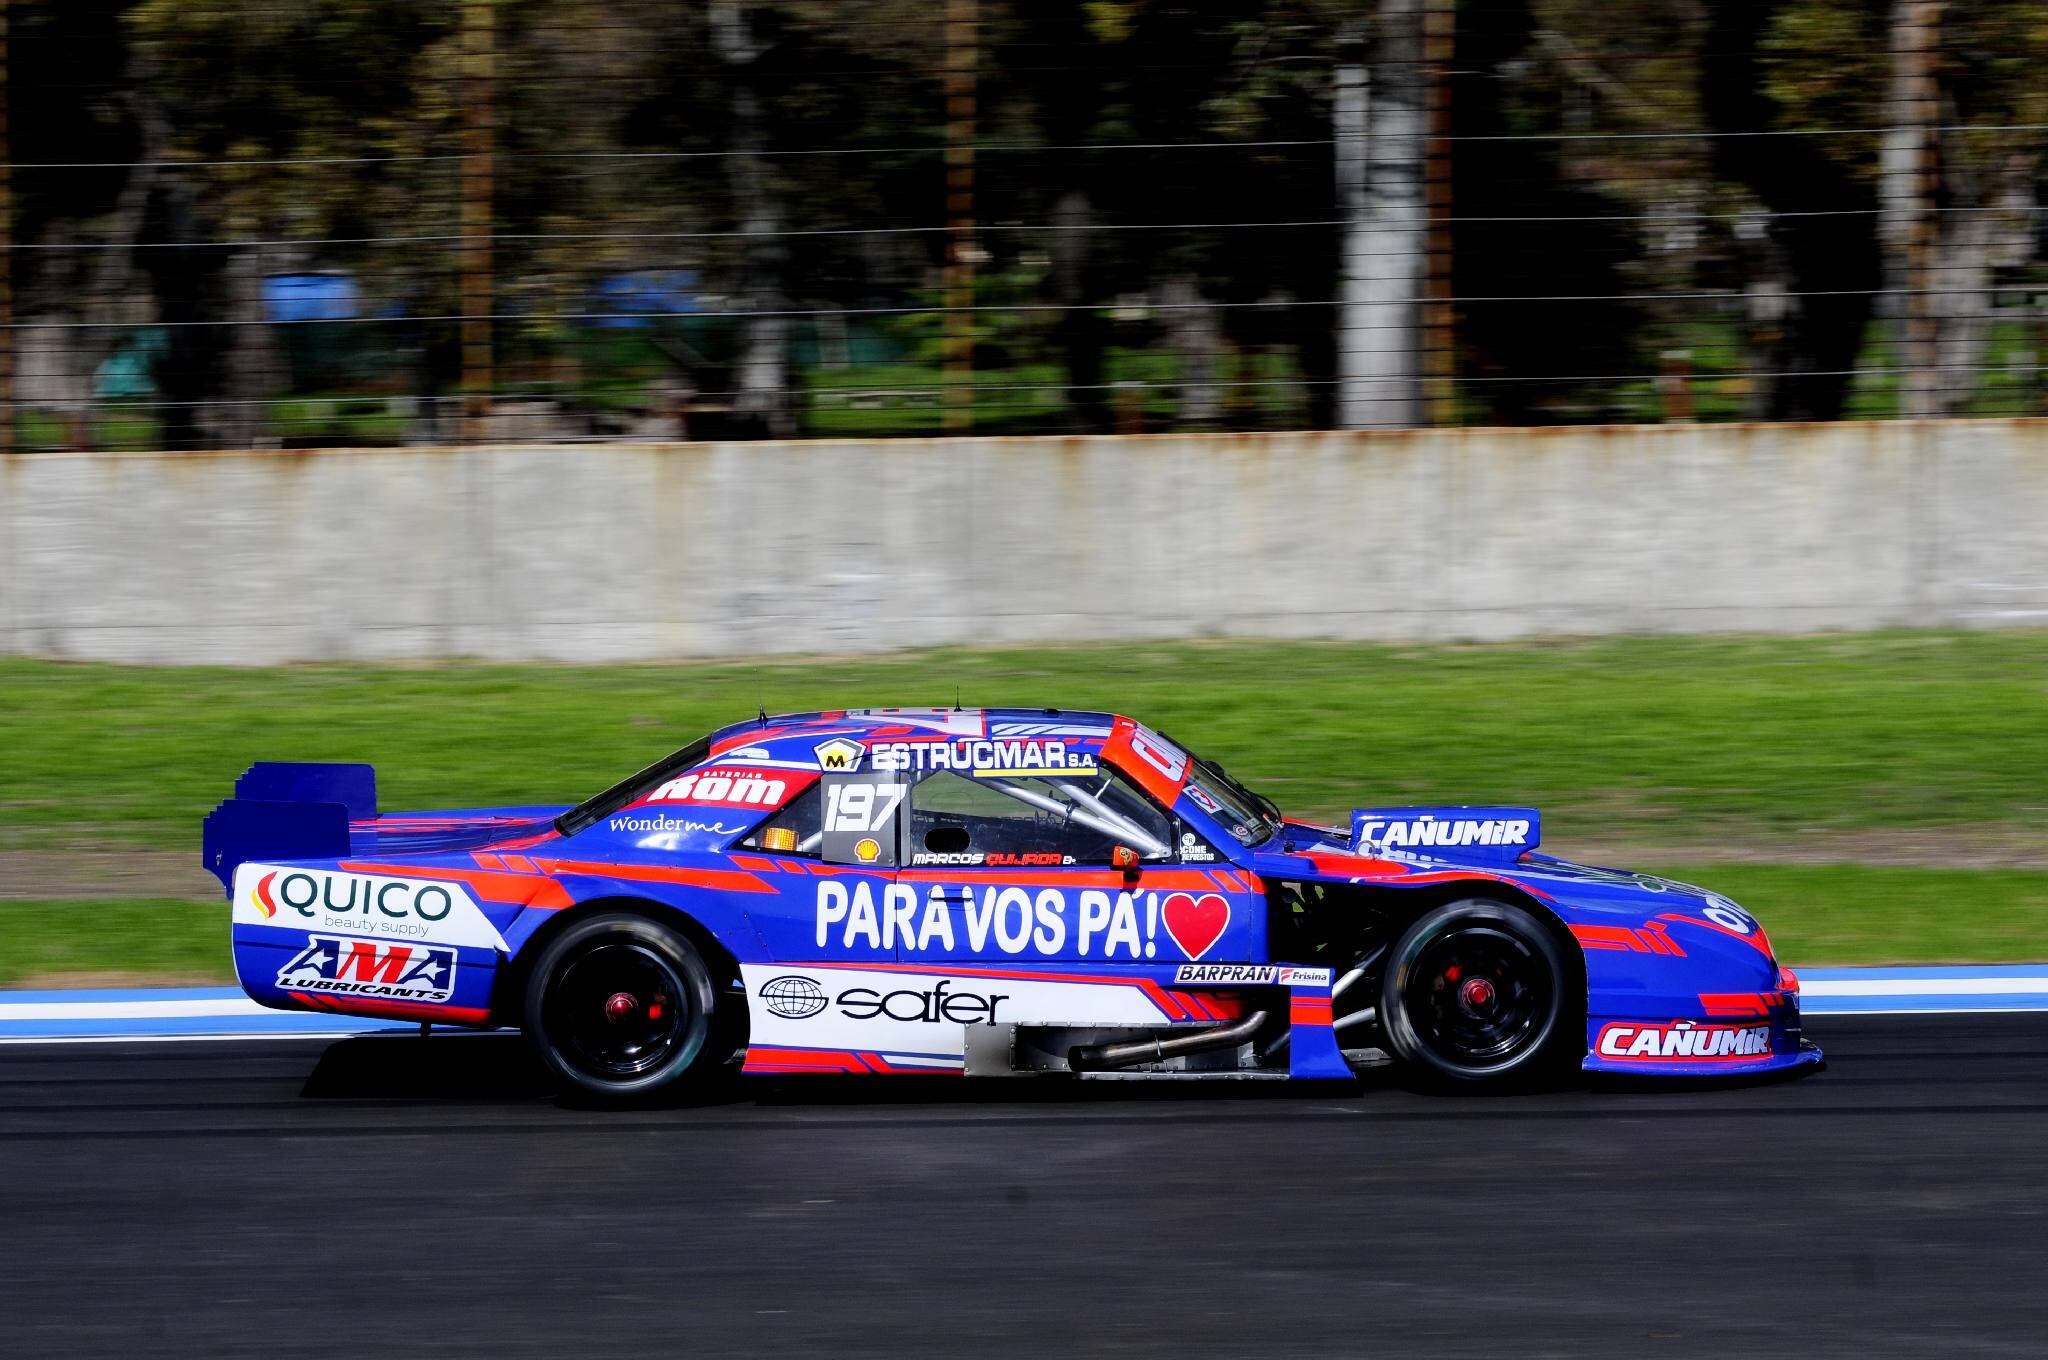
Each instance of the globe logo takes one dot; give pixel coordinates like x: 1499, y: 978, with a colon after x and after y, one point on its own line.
x: 792, y: 997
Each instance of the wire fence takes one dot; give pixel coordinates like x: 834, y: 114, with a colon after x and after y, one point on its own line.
x: 320, y: 222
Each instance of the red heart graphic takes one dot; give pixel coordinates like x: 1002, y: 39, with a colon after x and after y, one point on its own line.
x: 1195, y: 923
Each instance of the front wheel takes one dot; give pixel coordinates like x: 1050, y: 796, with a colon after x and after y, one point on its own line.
x: 621, y: 1007
x: 1478, y: 994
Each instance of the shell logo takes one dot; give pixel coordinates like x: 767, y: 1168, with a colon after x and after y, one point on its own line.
x: 867, y: 849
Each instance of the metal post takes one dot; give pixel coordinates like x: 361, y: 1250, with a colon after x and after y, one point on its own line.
x: 1915, y: 37
x: 958, y: 412
x: 1439, y: 357
x: 478, y: 121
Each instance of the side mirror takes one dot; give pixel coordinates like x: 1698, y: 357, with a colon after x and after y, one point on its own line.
x: 1126, y: 859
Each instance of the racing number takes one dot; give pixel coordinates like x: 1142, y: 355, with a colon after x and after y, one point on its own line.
x: 860, y: 816
x: 861, y: 806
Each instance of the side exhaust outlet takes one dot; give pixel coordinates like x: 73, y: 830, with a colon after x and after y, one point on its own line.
x: 1109, y: 1057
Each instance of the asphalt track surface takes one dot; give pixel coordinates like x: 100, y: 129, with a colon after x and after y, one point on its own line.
x: 395, y: 1196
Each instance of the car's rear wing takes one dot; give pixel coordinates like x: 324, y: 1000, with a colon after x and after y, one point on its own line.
x: 286, y: 810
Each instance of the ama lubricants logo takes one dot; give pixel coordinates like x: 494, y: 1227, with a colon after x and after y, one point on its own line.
x: 370, y: 968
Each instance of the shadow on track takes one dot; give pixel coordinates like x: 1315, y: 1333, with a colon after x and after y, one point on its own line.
x: 501, y: 1068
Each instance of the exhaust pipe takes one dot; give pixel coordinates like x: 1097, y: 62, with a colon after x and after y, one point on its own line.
x: 1107, y: 1057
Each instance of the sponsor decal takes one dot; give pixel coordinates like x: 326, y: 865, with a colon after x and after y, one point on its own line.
x: 1226, y: 974
x: 1445, y: 832
x: 1683, y: 1041
x: 387, y: 906
x: 986, y: 759
x: 1249, y: 975
x: 1192, y: 851
x: 933, y: 1006
x: 793, y: 997
x: 1159, y: 767
x: 1030, y: 860
x: 964, y: 859
x: 1010, y: 919
x: 838, y: 756
x: 369, y: 968
x: 682, y: 826
x: 667, y: 833
x: 867, y: 849
x: 1199, y: 796
x: 725, y: 787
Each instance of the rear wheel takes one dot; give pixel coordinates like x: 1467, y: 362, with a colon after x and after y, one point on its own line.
x: 621, y: 1007
x: 1478, y: 994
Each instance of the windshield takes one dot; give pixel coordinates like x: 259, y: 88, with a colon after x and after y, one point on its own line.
x: 1249, y: 817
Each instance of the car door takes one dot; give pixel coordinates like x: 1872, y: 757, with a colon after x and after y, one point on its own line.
x: 1011, y: 866
x: 834, y: 851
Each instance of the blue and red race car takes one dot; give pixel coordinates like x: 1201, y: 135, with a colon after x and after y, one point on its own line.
x: 989, y: 891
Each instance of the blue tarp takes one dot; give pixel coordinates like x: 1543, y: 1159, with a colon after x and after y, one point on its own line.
x: 672, y: 291
x: 311, y: 297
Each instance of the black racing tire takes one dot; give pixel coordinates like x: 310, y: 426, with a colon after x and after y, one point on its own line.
x: 1479, y: 995
x: 621, y: 1009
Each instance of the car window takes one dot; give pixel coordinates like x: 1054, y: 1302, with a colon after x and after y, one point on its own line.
x: 1032, y: 819
x: 797, y: 829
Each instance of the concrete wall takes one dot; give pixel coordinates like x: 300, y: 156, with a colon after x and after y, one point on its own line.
x: 594, y: 552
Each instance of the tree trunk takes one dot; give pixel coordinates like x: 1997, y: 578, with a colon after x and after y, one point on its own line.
x: 1195, y: 337
x: 1381, y: 145
x: 1079, y: 332
x: 253, y: 363
x: 762, y: 366
x: 1971, y: 245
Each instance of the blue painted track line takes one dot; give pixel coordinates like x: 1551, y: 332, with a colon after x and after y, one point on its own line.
x: 1923, y: 991
x: 223, y: 1012
x: 162, y: 1013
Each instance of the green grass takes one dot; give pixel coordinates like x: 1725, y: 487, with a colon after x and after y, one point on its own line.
x: 1667, y: 741
x: 120, y: 940
x: 1842, y: 913
x: 1689, y: 746
x: 1816, y: 914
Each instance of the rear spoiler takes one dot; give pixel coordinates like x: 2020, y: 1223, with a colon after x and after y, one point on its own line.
x: 286, y: 810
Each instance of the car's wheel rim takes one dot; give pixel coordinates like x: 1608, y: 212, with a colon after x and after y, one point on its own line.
x: 1479, y: 996
x: 619, y: 1009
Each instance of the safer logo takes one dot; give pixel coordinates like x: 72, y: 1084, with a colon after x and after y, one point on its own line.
x: 793, y: 997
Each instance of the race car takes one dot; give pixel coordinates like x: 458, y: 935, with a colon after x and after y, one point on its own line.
x: 1013, y: 892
